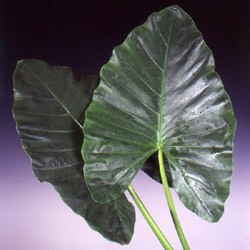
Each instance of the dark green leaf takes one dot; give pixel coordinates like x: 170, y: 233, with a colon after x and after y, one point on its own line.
x: 49, y: 107
x: 160, y: 90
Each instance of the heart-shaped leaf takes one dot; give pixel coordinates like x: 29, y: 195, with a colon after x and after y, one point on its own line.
x: 159, y: 90
x: 49, y: 107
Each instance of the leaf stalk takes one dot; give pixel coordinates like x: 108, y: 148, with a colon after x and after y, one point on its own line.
x: 149, y: 219
x: 170, y: 202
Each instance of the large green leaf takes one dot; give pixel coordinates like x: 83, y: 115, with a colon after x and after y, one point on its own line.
x: 160, y: 90
x: 49, y: 107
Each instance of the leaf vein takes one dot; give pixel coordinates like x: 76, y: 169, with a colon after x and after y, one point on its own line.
x: 115, y: 138
x: 44, y: 85
x: 54, y: 151
x: 132, y: 93
x: 148, y: 54
x: 122, y: 127
x: 130, y: 114
x: 138, y: 75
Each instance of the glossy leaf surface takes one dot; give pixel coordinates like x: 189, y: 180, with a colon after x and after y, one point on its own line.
x: 160, y: 90
x: 49, y: 107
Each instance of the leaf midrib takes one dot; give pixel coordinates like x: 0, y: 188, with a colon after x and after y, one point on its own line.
x: 164, y: 76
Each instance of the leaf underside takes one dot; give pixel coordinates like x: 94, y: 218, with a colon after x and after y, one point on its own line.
x: 152, y: 169
x: 49, y: 107
x: 160, y: 90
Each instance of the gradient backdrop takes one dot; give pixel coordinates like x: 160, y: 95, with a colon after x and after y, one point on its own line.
x: 82, y: 34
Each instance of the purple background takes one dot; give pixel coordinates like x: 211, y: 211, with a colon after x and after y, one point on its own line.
x: 82, y: 34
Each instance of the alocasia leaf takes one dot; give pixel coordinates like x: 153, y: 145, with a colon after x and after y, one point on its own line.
x: 159, y: 90
x: 49, y: 107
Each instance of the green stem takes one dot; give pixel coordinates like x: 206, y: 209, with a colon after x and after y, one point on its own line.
x: 149, y: 219
x: 170, y: 202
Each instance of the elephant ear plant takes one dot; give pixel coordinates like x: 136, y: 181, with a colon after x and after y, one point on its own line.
x: 159, y: 107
